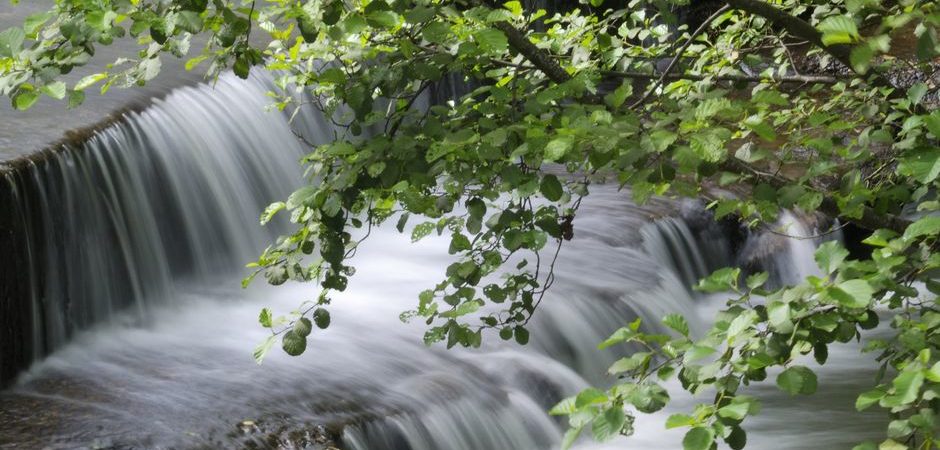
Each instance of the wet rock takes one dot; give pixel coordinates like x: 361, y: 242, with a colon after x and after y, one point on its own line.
x: 282, y: 432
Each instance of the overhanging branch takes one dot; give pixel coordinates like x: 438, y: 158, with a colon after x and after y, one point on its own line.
x: 542, y: 61
x: 804, y: 30
x: 870, y: 219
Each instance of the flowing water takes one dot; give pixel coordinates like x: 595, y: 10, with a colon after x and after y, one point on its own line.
x: 138, y: 241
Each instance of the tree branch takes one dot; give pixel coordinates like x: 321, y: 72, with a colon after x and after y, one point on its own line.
x: 804, y: 30
x: 521, y: 43
x: 806, y: 78
x: 823, y: 79
x: 679, y: 54
x: 542, y: 61
x: 870, y: 220
x: 793, y: 25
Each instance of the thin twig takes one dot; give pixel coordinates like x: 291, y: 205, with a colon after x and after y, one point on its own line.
x: 814, y: 236
x: 679, y: 54
x: 824, y: 79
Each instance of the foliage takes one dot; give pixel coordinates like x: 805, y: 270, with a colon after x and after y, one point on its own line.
x: 556, y: 102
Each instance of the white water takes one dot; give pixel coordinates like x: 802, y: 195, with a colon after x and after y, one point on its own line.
x: 145, y: 233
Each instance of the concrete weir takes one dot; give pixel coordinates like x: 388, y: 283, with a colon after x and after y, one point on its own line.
x: 21, y: 277
x: 15, y: 289
x: 107, y: 222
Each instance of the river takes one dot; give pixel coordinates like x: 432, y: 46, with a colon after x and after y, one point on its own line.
x: 138, y: 240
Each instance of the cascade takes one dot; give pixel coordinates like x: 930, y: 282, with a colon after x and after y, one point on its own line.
x: 170, y: 193
x: 134, y: 242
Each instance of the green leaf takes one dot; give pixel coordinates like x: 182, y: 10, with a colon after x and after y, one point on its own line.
x: 770, y: 97
x: 321, y: 317
x: 303, y: 327
x: 933, y: 374
x: 608, y: 424
x: 293, y: 344
x: 270, y: 211
x: 376, y: 169
x: 557, y: 148
x: 629, y: 363
x: 698, y: 438
x: 514, y: 7
x: 916, y: 93
x: 194, y: 5
x: 421, y: 231
x: 551, y: 188
x: 927, y: 45
x: 762, y: 128
x: 590, y: 396
x: 76, y: 98
x: 25, y: 99
x: 853, y: 293
x: 382, y: 19
x: 725, y: 279
x: 100, y: 20
x: 697, y: 352
x: 564, y: 407
x: 242, y: 67
x: 734, y: 411
x: 861, y: 57
x: 436, y: 32
x: 679, y: 420
x: 932, y: 122
x: 778, y: 315
x: 907, y: 387
x: 419, y: 14
x: 621, y: 335
x: 33, y: 22
x: 570, y: 436
x: 797, y: 380
x: 677, y: 322
x: 491, y: 40
x: 522, y: 335
x: 869, y: 398
x: 661, y: 139
x: 891, y: 444
x: 756, y: 280
x: 743, y: 322
x: 709, y: 145
x: 737, y: 438
x: 880, y: 238
x: 89, y: 80
x: 55, y: 90
x: 830, y: 255
x: 505, y: 333
x: 927, y: 226
x: 838, y: 30
x: 619, y: 95
x: 195, y: 61
x: 11, y: 42
x: 922, y: 164
x: 265, y: 318
x: 262, y: 349
x: 189, y: 21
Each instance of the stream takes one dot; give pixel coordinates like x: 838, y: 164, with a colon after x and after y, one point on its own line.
x: 142, y: 336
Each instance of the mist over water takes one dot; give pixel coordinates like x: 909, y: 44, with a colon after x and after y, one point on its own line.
x: 141, y: 237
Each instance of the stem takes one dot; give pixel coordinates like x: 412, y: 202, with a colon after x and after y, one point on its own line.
x: 679, y: 54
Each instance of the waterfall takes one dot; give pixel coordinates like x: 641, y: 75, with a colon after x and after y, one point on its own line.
x: 786, y: 249
x: 169, y: 193
x: 133, y: 245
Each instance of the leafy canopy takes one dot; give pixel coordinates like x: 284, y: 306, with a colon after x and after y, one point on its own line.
x: 790, y: 104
